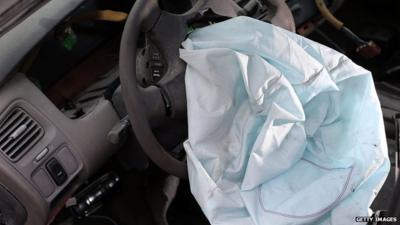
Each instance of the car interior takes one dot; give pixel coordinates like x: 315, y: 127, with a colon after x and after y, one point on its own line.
x: 93, y: 102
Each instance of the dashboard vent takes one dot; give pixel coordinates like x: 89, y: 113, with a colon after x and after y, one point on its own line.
x: 18, y: 133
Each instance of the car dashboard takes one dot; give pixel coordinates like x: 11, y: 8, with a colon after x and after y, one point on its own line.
x: 14, y: 11
x: 44, y: 155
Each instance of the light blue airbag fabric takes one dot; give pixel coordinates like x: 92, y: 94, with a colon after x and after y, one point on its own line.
x: 282, y: 130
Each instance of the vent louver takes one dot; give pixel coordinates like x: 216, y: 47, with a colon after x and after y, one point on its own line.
x: 18, y: 133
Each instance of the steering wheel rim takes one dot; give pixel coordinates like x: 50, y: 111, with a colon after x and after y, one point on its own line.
x: 144, y: 17
x: 167, y: 31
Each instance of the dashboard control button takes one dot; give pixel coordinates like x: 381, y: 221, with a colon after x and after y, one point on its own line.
x: 56, y: 171
x: 41, y: 155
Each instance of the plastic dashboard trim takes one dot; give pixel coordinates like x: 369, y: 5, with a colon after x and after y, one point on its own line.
x: 17, y: 42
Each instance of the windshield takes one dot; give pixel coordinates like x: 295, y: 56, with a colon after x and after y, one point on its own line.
x: 12, y: 11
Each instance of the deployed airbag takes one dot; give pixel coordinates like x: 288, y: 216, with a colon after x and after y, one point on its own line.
x: 282, y: 130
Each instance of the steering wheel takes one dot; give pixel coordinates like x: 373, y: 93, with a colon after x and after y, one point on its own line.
x: 150, y: 105
x: 147, y: 106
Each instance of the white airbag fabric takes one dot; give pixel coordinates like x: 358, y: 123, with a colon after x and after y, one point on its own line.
x: 282, y: 130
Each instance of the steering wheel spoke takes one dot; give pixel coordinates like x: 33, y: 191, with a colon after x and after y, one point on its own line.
x: 145, y: 106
